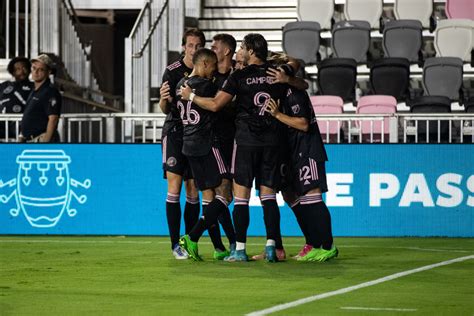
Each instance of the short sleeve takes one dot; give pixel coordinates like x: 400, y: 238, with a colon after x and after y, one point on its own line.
x: 231, y: 84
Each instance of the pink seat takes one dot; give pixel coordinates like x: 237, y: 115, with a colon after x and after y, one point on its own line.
x: 376, y: 104
x: 328, y: 104
x: 460, y: 9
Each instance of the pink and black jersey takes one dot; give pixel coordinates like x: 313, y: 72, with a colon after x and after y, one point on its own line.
x: 173, y: 74
x: 253, y: 90
x: 198, y: 124
x: 303, y: 144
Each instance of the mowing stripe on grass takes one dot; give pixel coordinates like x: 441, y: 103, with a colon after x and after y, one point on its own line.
x: 391, y: 277
x: 379, y: 309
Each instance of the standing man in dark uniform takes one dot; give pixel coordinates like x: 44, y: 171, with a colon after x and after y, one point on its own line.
x: 255, y: 155
x: 13, y: 94
x: 201, y: 147
x: 175, y: 165
x: 307, y: 174
x: 43, y: 107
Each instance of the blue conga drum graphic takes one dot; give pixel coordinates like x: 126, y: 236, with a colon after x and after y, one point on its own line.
x: 43, y: 187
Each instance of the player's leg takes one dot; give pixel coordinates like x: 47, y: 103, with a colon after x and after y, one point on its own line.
x: 191, y: 208
x: 173, y: 213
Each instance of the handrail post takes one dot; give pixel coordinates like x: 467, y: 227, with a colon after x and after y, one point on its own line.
x: 393, y: 129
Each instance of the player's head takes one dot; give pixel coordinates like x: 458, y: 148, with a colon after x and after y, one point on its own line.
x: 205, y: 62
x: 240, y: 63
x: 193, y: 39
x: 223, y: 45
x: 19, y: 68
x: 255, y: 44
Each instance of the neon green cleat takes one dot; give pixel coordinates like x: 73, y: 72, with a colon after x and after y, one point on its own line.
x: 311, y: 255
x: 325, y: 255
x: 220, y: 255
x: 191, y: 247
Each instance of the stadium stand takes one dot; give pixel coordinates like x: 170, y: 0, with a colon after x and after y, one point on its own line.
x: 420, y: 10
x: 320, y: 11
x: 403, y: 38
x: 301, y: 40
x: 351, y: 39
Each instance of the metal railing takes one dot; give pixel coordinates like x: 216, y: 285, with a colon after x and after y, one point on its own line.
x: 146, y: 51
x: 20, y: 24
x: 147, y: 128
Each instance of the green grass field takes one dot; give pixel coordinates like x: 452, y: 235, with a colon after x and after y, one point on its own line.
x: 138, y: 276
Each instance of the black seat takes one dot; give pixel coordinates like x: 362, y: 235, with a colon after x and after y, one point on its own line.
x: 431, y: 104
x: 390, y: 76
x: 337, y: 76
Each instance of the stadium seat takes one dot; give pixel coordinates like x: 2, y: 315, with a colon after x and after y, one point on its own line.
x: 301, y: 40
x: 320, y: 11
x: 431, y: 104
x: 328, y: 104
x: 376, y: 104
x: 364, y: 10
x: 390, y: 76
x: 351, y: 39
x: 403, y: 38
x: 420, y: 10
x: 469, y: 125
x: 460, y: 9
x: 337, y: 77
x: 443, y: 76
x: 453, y: 38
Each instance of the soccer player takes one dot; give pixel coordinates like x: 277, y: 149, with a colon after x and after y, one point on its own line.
x: 240, y: 63
x: 175, y: 165
x: 307, y: 173
x: 201, y: 147
x: 255, y: 154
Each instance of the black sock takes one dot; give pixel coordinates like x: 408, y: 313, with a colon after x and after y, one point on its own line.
x: 324, y: 225
x: 214, y: 231
x: 226, y: 223
x: 271, y: 217
x: 298, y: 210
x: 208, y: 219
x: 173, y: 216
x: 191, y: 213
x: 241, y: 218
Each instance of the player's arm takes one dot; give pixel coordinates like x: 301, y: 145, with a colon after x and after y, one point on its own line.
x: 280, y: 76
x: 165, y: 98
x: 211, y: 104
x: 53, y: 120
x: 299, y: 123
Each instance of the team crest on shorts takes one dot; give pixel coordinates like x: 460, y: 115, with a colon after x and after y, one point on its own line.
x: 171, y: 162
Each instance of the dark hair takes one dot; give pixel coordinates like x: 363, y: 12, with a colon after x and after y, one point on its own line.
x: 193, y: 32
x: 228, y: 40
x: 204, y: 54
x: 258, y: 44
x: 11, y: 64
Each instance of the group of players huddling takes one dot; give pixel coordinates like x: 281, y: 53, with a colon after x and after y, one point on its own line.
x: 230, y: 123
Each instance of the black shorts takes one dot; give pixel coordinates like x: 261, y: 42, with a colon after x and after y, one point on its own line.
x: 208, y: 171
x: 173, y: 159
x: 256, y: 162
x: 308, y: 175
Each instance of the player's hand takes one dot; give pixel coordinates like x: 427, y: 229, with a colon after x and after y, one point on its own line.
x: 185, y: 91
x: 277, y: 75
x: 165, y: 91
x: 272, y: 108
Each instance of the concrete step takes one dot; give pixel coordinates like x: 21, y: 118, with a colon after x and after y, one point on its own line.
x: 250, y: 3
x: 255, y: 24
x: 249, y: 13
x: 4, y: 74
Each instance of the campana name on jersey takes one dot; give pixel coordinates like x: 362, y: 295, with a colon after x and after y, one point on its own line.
x: 259, y: 80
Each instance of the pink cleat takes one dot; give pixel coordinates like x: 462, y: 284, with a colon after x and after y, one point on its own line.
x: 306, y: 248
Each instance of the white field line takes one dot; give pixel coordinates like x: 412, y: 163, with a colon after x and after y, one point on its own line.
x: 120, y: 240
x: 379, y: 309
x: 387, y: 278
